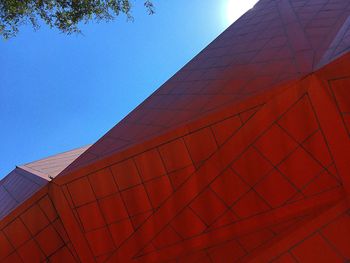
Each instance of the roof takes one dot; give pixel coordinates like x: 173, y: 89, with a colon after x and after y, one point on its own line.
x: 274, y: 42
x: 17, y: 187
x: 27, y: 179
x: 51, y: 166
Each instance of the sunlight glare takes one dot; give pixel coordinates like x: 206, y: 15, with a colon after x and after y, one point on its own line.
x: 236, y: 8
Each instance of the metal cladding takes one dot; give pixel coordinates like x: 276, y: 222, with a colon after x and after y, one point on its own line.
x: 242, y: 156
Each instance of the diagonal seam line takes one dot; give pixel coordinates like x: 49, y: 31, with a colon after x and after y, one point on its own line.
x: 240, y: 228
x: 298, y: 41
x: 206, y: 174
x: 329, y: 120
x: 286, y: 244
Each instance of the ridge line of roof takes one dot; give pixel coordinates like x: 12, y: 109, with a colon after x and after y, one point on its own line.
x: 74, y: 149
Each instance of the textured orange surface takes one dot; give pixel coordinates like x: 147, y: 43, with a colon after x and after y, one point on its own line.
x: 243, y: 156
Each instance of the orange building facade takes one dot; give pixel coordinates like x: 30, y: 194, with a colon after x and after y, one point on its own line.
x: 242, y: 156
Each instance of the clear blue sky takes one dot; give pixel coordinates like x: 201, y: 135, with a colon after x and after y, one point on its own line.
x: 60, y: 92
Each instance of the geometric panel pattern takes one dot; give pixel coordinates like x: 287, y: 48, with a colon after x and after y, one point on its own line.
x: 242, y: 156
x: 17, y: 187
x: 273, y: 43
x: 25, y: 180
x: 36, y: 235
